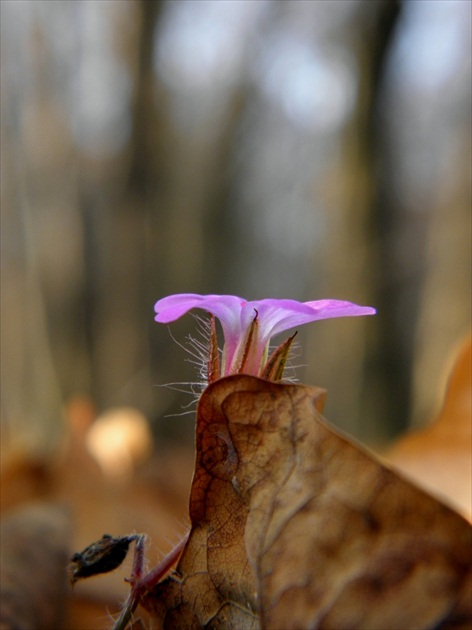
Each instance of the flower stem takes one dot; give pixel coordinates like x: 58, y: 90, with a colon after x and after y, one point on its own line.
x: 140, y: 586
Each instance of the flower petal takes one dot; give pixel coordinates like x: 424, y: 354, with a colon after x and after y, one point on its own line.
x: 172, y: 307
x: 237, y: 318
x: 318, y: 309
x: 227, y: 308
x: 276, y: 316
x: 339, y: 308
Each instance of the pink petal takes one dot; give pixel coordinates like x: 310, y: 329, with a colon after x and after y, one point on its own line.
x: 227, y: 308
x: 236, y: 316
x: 276, y: 316
x: 339, y: 308
x: 172, y: 307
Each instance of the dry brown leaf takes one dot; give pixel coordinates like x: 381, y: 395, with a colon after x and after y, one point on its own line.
x: 293, y: 526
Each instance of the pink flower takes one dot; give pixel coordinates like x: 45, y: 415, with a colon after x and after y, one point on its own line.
x: 249, y: 326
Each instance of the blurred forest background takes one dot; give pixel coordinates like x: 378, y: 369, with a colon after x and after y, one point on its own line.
x: 298, y: 149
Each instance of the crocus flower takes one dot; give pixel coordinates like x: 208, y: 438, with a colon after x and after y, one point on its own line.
x: 249, y: 326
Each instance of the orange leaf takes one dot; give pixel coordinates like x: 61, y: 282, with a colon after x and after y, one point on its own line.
x: 439, y: 457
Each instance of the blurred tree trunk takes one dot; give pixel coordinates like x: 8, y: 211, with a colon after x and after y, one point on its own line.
x: 373, y: 404
x: 445, y: 312
x: 119, y: 230
x: 399, y: 238
x: 41, y: 258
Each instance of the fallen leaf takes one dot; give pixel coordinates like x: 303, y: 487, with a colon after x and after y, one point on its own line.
x: 294, y: 526
x: 439, y: 457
